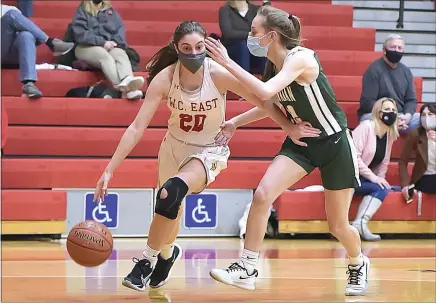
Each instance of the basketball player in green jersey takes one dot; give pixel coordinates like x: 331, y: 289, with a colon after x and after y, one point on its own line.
x: 295, y: 80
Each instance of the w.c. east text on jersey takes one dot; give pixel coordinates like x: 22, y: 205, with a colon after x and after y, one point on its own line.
x: 196, y: 116
x: 314, y: 103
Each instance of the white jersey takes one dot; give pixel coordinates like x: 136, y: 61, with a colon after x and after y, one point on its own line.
x: 196, y: 116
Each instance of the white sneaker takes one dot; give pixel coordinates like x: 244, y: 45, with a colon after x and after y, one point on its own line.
x: 133, y: 95
x: 358, y: 278
x: 236, y: 275
x: 130, y: 83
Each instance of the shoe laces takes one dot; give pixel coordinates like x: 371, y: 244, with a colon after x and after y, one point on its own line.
x: 235, y: 267
x: 354, y: 274
x: 140, y: 267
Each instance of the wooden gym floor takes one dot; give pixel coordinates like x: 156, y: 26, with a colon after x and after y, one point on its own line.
x: 290, y: 270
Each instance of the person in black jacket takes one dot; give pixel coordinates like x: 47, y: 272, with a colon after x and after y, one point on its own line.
x: 235, y: 19
x: 99, y: 32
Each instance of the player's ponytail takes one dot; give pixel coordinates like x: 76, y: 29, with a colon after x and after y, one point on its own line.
x: 167, y: 55
x: 286, y: 25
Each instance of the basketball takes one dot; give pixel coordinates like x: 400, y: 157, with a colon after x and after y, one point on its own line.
x: 89, y: 243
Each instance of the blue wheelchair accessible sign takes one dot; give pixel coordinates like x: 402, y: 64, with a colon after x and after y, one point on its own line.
x: 106, y: 212
x: 201, y: 211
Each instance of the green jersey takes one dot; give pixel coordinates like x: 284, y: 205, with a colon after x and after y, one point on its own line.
x: 314, y: 103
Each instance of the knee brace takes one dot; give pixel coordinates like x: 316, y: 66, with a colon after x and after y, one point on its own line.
x: 169, y: 207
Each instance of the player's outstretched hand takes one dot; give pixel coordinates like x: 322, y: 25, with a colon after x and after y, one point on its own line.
x: 301, y: 130
x: 217, y: 51
x: 227, y: 131
x: 101, y: 188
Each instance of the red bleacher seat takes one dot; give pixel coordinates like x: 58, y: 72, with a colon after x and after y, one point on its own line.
x: 34, y: 205
x: 159, y: 33
x: 293, y: 205
x: 57, y: 83
x: 342, y: 63
x: 201, y: 11
x: 82, y: 141
x: 83, y: 173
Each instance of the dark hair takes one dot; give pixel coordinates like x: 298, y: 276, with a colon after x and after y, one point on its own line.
x: 432, y: 108
x: 168, y: 54
x: 286, y: 25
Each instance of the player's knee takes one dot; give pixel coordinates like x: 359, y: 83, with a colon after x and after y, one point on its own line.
x: 262, y: 197
x: 170, y: 197
x: 336, y: 229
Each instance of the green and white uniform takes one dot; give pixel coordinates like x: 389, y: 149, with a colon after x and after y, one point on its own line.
x: 333, y: 151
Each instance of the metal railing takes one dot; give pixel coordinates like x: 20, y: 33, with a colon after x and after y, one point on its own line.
x: 400, y: 20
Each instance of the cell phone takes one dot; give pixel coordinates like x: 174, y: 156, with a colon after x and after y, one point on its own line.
x: 410, y: 192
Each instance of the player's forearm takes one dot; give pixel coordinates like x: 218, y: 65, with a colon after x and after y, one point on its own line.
x: 274, y: 112
x: 249, y: 116
x: 128, y: 141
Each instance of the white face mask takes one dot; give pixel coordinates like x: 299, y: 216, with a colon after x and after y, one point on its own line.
x: 253, y: 44
x: 429, y: 122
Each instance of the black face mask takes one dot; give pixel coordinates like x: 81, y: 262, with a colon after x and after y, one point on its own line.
x: 97, y: 1
x: 192, y: 62
x: 389, y: 118
x: 393, y: 56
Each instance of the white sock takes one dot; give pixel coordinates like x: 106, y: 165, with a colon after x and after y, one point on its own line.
x: 356, y: 260
x: 151, y: 255
x: 249, y: 260
x: 167, y: 251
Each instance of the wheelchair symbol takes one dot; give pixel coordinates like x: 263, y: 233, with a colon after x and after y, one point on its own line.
x: 100, y: 211
x: 199, y: 211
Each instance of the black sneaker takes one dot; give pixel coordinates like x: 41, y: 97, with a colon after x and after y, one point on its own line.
x: 162, y: 272
x: 139, y: 276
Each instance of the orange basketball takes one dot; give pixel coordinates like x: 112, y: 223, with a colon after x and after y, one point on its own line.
x: 90, y: 243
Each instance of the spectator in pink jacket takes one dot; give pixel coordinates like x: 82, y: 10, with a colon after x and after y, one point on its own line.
x: 373, y: 140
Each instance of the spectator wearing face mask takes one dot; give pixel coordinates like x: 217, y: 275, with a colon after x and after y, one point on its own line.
x: 235, y: 19
x: 19, y: 39
x: 388, y: 77
x: 100, y: 34
x: 373, y: 140
x: 422, y: 143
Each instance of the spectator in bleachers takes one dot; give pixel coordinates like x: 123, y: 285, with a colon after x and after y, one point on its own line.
x: 100, y: 35
x: 388, y: 77
x: 373, y: 140
x: 422, y: 143
x: 19, y: 39
x: 235, y: 19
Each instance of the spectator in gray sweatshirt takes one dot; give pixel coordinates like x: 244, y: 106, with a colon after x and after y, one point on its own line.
x: 100, y: 33
x: 388, y: 77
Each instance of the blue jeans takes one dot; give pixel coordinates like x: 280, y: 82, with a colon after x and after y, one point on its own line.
x: 374, y: 190
x: 414, y: 122
x: 26, y: 7
x: 19, y: 39
x: 238, y: 52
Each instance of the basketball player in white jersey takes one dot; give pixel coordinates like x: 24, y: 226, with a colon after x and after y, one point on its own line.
x: 188, y: 160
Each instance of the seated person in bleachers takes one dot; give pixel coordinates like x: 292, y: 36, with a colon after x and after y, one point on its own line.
x: 388, y: 77
x: 422, y: 143
x: 100, y: 35
x: 373, y: 140
x: 19, y: 39
x: 235, y: 19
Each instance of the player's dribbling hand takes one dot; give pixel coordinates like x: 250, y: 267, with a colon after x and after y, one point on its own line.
x: 301, y: 130
x: 217, y: 51
x: 101, y: 188
x: 228, y: 129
